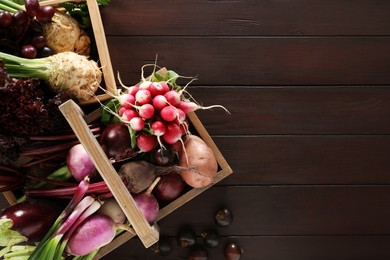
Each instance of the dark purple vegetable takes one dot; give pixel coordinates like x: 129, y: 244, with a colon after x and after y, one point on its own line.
x: 170, y: 187
x: 211, y: 238
x: 223, y: 217
x: 163, y: 247
x: 116, y: 143
x: 164, y: 156
x: 32, y: 218
x: 186, y: 238
x: 233, y: 251
x: 32, y: 7
x: 25, y: 110
x: 198, y: 252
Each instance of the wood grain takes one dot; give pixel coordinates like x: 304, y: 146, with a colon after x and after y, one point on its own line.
x: 242, y: 18
x: 278, y: 248
x: 295, y: 110
x: 248, y: 61
x: 288, y: 210
x: 311, y: 159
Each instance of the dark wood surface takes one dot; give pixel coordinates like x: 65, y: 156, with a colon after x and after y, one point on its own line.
x: 307, y: 85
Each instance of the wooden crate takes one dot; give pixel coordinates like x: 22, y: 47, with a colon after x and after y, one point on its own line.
x: 148, y: 234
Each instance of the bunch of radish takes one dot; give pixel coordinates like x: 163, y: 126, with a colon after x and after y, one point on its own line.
x: 156, y: 113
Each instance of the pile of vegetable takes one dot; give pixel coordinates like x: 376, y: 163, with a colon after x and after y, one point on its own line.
x: 157, y: 162
x: 64, y: 208
x: 33, y: 30
x: 34, y: 80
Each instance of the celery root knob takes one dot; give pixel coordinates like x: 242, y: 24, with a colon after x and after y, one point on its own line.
x: 74, y: 73
x: 64, y: 34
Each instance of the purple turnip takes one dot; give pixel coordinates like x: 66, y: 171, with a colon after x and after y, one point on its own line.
x: 147, y: 203
x: 96, y: 231
x: 79, y: 163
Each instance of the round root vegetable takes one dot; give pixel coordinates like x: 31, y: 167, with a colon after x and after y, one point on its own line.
x: 139, y: 175
x: 112, y: 209
x: 116, y: 143
x: 74, y: 73
x: 63, y: 72
x: 64, y: 34
x: 197, y: 155
x: 79, y: 163
x: 96, y: 231
x: 147, y: 203
x: 169, y: 188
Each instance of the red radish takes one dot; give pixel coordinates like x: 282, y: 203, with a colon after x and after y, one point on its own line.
x: 181, y: 116
x: 158, y: 128
x: 145, y: 85
x: 96, y: 231
x: 143, y: 96
x: 190, y: 106
x: 128, y: 114
x: 80, y: 163
x: 147, y: 203
x: 146, y: 143
x: 126, y: 100
x: 137, y: 123
x: 159, y: 102
x: 158, y: 88
x: 121, y: 110
x: 132, y: 90
x: 184, y: 127
x: 146, y: 111
x: 168, y: 113
x: 177, y: 146
x: 173, y: 97
x: 172, y: 134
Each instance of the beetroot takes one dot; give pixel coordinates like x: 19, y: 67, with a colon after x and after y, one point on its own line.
x: 116, y: 142
x: 170, y: 187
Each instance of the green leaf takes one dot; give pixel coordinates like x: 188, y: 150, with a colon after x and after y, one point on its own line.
x: 109, y: 108
x: 103, y: 2
x: 172, y: 76
x: 9, y: 237
x: 133, y: 137
x: 156, y: 77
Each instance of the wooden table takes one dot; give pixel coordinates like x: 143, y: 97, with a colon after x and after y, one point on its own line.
x: 307, y: 85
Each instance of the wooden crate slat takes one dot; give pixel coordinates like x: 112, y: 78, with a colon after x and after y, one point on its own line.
x: 148, y: 234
